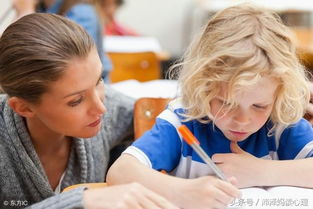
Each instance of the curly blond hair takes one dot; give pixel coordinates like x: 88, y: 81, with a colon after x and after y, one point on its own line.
x: 239, y: 45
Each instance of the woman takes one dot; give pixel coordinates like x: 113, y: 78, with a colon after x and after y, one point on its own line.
x: 53, y: 129
x: 84, y: 12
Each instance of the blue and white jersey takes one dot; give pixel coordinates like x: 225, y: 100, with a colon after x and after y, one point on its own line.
x: 162, y: 148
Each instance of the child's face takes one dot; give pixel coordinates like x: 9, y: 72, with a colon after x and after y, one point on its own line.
x: 255, y: 104
x: 74, y: 104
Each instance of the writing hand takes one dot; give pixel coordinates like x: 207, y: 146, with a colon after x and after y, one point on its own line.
x: 206, y: 192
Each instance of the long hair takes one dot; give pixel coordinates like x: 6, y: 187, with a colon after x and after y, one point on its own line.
x: 35, y: 50
x: 238, y: 46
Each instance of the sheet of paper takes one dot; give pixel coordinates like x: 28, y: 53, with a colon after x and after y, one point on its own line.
x: 131, y: 44
x: 154, y: 88
x: 281, y: 197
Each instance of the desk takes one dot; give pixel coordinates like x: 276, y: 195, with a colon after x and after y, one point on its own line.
x: 154, y: 88
x: 88, y: 185
x: 131, y: 44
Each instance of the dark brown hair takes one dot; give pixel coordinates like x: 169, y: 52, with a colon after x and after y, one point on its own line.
x: 35, y: 50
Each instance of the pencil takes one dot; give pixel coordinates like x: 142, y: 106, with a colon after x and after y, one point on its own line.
x: 194, y: 143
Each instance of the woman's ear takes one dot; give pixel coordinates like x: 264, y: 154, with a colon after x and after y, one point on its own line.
x: 21, y: 107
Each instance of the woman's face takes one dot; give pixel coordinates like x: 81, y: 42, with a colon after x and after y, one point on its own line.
x: 75, y: 103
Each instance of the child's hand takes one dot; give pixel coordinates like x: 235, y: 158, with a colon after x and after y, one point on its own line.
x: 246, y: 168
x: 125, y: 196
x: 206, y: 192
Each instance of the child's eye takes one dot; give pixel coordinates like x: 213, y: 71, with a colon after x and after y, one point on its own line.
x: 75, y: 102
x: 260, y: 106
x: 224, y: 102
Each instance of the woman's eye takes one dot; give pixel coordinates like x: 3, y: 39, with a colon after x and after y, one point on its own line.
x: 75, y: 102
x: 100, y: 81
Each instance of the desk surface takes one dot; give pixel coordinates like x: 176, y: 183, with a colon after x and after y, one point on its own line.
x: 130, y: 44
x: 154, y: 88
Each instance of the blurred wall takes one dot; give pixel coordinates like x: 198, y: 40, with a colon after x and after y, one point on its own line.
x: 172, y: 22
x: 167, y: 20
x: 4, y: 6
x: 163, y: 19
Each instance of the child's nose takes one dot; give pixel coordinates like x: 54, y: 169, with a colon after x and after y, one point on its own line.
x: 241, y: 116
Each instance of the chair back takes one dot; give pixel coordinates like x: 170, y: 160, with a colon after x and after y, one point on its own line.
x: 145, y: 113
x: 142, y: 66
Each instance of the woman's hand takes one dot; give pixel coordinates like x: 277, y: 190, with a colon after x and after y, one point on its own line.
x: 247, y: 169
x: 24, y: 7
x: 124, y: 196
x: 206, y: 192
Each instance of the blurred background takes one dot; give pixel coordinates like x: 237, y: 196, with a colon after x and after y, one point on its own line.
x: 166, y: 27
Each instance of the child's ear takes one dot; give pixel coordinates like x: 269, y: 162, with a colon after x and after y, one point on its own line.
x: 21, y: 107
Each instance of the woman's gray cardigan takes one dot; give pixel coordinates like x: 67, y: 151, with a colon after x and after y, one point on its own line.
x: 23, y: 181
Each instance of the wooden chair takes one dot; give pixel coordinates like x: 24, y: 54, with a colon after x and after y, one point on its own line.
x: 145, y: 112
x: 142, y: 66
x: 304, y: 37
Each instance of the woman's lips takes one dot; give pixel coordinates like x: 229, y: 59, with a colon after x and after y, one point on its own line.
x: 95, y: 123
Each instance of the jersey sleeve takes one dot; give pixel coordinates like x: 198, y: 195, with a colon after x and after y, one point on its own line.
x: 159, y: 148
x: 296, y: 141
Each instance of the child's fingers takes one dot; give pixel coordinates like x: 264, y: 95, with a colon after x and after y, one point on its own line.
x: 229, y: 189
x: 159, y: 201
x: 219, y: 158
x: 221, y: 196
x: 219, y: 205
x: 146, y: 203
x: 234, y: 147
x: 233, y: 181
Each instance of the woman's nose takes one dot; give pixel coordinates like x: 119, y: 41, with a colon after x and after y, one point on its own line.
x: 98, y: 106
x: 101, y: 107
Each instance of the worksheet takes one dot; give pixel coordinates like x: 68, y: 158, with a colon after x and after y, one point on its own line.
x: 280, y: 197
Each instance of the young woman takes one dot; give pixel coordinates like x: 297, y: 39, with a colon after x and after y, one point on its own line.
x: 58, y: 121
x: 86, y: 13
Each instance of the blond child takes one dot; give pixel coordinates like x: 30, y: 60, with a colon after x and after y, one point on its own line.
x: 243, y: 96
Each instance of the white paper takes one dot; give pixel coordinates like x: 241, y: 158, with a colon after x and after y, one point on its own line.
x: 154, y: 88
x: 280, y: 197
x: 131, y: 44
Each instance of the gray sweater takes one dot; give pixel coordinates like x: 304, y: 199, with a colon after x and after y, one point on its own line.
x: 23, y: 181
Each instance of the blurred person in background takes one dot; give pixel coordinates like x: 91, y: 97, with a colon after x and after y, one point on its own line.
x: 86, y: 13
x: 111, y: 25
